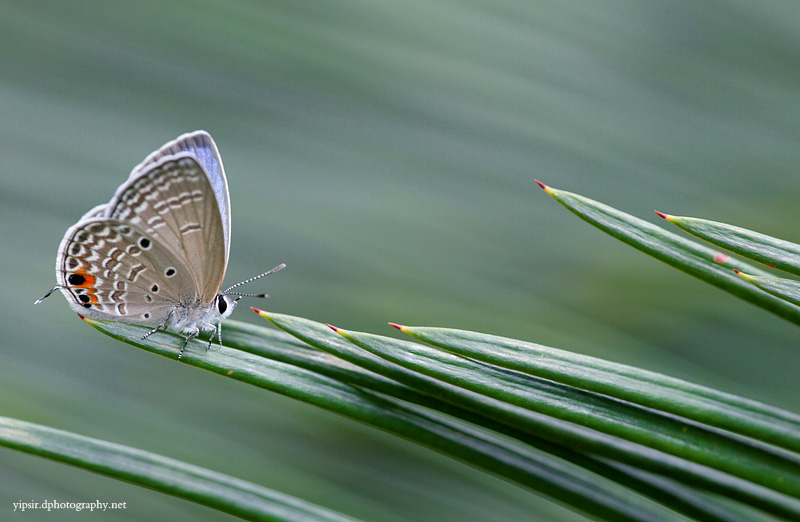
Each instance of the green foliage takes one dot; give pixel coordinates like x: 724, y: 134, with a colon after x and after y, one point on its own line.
x: 697, y: 260
x: 765, y: 249
x: 611, y: 441
x: 222, y: 492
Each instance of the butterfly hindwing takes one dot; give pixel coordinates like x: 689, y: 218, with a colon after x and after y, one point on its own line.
x: 113, y: 270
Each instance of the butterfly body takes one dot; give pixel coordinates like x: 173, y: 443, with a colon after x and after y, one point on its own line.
x: 157, y: 253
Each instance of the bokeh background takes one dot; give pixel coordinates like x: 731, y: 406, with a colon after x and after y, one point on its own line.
x: 386, y: 152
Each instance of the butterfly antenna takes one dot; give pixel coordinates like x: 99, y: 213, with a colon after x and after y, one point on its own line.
x: 259, y: 276
x: 264, y: 296
x: 45, y: 296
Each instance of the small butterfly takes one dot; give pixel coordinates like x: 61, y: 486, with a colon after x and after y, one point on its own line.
x: 157, y: 253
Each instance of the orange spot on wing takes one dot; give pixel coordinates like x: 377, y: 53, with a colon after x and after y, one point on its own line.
x: 88, y: 284
x: 89, y: 280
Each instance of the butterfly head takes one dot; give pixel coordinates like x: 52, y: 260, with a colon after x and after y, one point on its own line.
x: 225, y: 305
x: 225, y: 302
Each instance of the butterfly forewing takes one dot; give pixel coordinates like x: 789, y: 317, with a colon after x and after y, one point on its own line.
x: 113, y: 270
x: 201, y: 146
x: 173, y: 201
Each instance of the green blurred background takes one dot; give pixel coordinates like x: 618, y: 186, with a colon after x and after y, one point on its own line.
x: 386, y: 152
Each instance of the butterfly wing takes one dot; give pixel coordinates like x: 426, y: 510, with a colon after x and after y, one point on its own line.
x: 97, y: 211
x: 172, y: 199
x: 113, y: 270
x: 201, y: 145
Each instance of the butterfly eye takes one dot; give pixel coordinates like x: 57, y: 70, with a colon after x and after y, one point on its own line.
x: 222, y: 305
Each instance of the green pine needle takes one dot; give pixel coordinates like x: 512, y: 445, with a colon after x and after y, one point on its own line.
x: 688, y: 256
x: 770, y: 251
x: 215, y: 490
x: 581, y: 431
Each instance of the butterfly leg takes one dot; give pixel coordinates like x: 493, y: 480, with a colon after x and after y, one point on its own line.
x: 186, y: 341
x: 218, y: 333
x: 151, y: 332
x: 159, y: 327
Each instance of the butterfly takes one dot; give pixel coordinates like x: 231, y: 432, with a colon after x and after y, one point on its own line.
x: 157, y: 253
